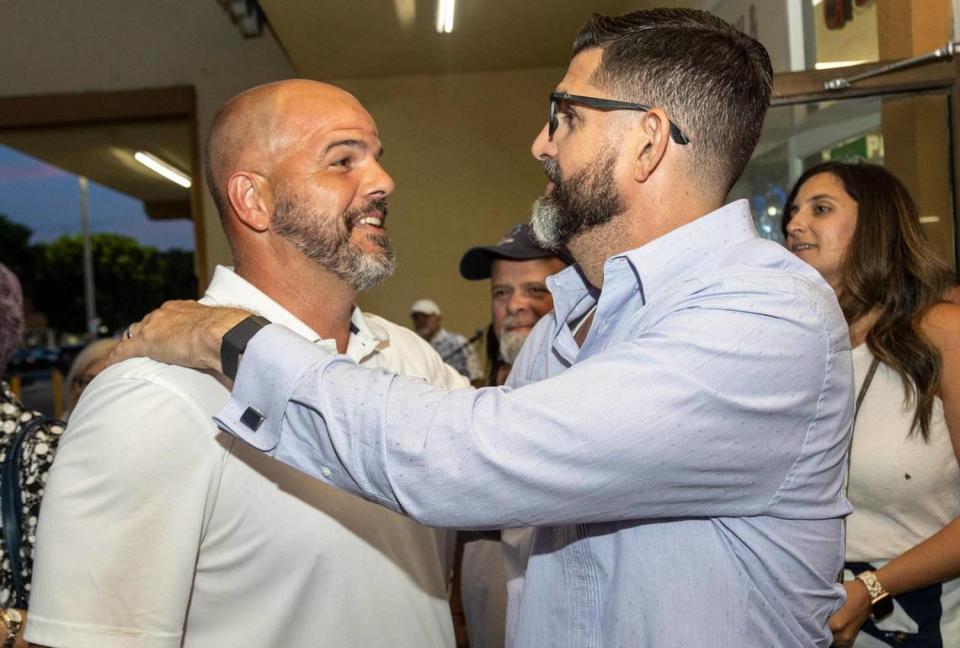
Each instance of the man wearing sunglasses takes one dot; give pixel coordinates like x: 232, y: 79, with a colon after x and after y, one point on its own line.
x: 674, y: 433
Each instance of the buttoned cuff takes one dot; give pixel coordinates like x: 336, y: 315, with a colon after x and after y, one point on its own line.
x: 270, y: 368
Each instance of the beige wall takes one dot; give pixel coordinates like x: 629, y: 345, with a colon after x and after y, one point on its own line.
x: 459, y: 148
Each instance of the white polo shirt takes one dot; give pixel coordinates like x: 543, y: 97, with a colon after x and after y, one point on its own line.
x: 158, y: 530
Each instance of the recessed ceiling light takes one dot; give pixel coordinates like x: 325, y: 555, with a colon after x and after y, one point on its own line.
x: 445, y: 10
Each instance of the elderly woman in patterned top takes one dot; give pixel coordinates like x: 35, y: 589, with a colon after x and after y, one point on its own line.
x: 37, y: 455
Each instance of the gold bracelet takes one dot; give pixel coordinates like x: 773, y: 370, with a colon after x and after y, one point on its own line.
x: 12, y: 620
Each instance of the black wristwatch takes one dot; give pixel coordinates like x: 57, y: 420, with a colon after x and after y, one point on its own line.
x: 235, y: 341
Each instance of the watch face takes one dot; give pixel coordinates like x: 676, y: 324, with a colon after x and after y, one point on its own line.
x: 882, y: 607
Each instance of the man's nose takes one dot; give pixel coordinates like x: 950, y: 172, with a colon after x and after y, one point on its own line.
x: 381, y: 184
x: 543, y: 146
x: 518, y: 302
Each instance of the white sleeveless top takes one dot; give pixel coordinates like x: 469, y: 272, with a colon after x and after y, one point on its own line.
x: 902, y: 489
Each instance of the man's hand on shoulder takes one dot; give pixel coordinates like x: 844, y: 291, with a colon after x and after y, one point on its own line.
x: 183, y: 333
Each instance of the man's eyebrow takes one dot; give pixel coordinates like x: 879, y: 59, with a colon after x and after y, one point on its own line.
x: 352, y: 143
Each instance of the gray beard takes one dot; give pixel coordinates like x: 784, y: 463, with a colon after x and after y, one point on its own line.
x: 510, y: 345
x: 319, y: 238
x: 586, y: 200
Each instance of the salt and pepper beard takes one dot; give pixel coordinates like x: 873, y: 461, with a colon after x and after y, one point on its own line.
x: 327, y: 241
x: 585, y: 200
x: 510, y: 344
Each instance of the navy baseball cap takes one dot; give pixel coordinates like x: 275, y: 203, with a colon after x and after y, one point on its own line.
x: 517, y: 244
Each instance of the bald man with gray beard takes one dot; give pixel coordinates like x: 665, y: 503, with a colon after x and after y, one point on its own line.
x: 157, y: 529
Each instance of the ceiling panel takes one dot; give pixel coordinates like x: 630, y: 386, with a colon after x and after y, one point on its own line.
x: 369, y: 38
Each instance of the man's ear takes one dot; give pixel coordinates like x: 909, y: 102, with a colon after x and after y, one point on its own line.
x: 653, y: 136
x: 251, y: 199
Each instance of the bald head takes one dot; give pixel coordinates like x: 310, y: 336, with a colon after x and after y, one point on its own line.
x: 295, y: 170
x: 257, y: 127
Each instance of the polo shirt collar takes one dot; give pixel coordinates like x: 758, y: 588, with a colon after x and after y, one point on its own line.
x: 227, y: 288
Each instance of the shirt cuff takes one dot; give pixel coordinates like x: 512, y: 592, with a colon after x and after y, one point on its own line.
x: 42, y: 631
x: 271, y: 365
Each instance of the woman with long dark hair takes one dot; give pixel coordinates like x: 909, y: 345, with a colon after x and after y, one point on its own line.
x: 858, y: 226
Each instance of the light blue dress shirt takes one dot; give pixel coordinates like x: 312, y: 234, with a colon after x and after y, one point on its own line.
x: 684, y: 468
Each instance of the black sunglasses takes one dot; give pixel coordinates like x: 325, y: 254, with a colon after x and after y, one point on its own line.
x: 603, y: 104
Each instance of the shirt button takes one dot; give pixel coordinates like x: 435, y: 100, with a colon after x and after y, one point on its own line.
x: 325, y: 471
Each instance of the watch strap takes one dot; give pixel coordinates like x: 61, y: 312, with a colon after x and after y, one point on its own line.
x: 235, y: 341
x: 881, y: 603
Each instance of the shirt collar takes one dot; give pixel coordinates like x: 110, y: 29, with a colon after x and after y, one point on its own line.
x: 674, y: 254
x: 227, y: 288
x: 655, y: 264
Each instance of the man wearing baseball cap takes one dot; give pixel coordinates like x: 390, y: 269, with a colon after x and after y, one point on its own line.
x: 518, y: 269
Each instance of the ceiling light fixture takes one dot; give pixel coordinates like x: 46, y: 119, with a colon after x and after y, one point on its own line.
x: 445, y: 16
x: 157, y: 165
x: 247, y: 15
